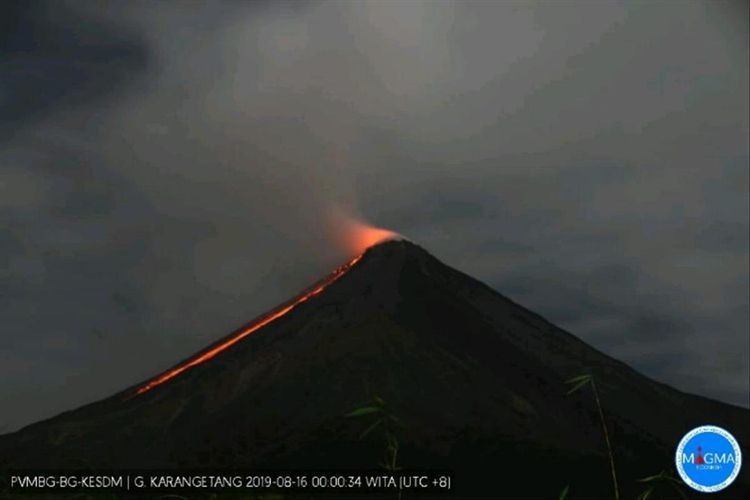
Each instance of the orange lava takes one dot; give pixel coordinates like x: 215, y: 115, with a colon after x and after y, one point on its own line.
x: 257, y: 324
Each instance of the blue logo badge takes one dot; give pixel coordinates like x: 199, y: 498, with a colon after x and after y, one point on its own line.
x: 708, y: 458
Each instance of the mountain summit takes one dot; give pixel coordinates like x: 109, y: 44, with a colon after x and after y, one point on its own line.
x: 476, y: 381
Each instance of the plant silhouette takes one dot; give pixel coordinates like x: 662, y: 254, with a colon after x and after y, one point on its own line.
x: 663, y: 481
x: 577, y: 384
x: 388, y: 423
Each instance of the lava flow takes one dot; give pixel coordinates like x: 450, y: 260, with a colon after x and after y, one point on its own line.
x: 359, y: 236
x: 249, y: 329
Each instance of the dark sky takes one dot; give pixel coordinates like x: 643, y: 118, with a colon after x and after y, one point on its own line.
x: 168, y: 170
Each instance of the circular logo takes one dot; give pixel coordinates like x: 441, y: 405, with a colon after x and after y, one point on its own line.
x: 708, y: 458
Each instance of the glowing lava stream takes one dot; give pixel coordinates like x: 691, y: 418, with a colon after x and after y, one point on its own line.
x: 249, y: 329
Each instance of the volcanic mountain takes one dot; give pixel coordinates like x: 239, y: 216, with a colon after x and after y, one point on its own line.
x: 476, y: 381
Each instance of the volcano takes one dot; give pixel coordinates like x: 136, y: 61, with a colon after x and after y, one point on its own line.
x: 476, y: 381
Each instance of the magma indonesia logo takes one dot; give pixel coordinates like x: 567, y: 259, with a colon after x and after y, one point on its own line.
x: 708, y: 458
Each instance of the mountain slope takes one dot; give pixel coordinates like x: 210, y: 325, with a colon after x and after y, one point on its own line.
x: 477, y: 381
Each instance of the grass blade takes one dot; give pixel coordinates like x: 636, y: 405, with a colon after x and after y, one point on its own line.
x: 578, y: 385
x: 367, y: 410
x: 370, y: 429
x: 564, y: 493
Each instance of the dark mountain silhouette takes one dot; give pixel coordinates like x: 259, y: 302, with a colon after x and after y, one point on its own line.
x: 477, y: 381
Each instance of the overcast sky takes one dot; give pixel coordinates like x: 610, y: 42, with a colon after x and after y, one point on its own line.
x: 168, y: 170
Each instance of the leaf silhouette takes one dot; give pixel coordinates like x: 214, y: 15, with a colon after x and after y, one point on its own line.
x: 578, y: 382
x: 662, y: 478
x: 577, y: 386
x: 370, y: 429
x: 564, y: 493
x: 646, y: 494
x: 578, y: 378
x: 366, y: 410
